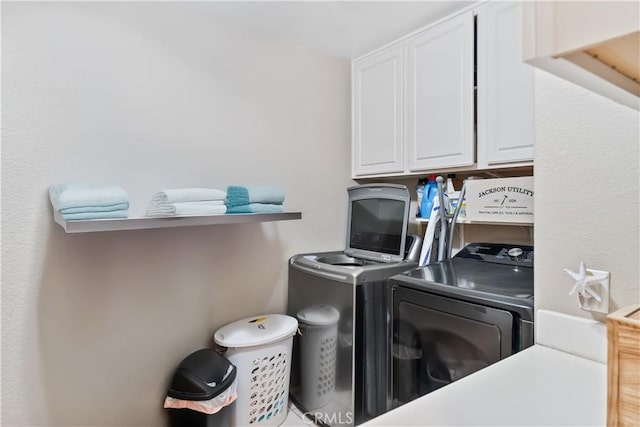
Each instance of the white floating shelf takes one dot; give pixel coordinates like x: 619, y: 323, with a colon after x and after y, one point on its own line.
x: 95, y: 225
x: 464, y: 221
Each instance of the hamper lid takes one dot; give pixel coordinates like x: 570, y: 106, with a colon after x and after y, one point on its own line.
x: 319, y: 315
x: 257, y: 330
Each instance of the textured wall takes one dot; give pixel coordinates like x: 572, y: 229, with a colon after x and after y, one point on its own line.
x: 587, y: 193
x: 149, y: 96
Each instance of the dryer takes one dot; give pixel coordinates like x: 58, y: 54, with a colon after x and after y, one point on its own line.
x: 455, y: 317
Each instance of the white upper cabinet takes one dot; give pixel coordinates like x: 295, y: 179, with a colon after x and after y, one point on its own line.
x: 453, y: 96
x: 440, y: 96
x: 378, y: 113
x: 505, y: 87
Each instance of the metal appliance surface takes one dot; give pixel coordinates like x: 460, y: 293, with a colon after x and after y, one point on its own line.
x: 354, y: 282
x: 377, y: 222
x: 454, y: 317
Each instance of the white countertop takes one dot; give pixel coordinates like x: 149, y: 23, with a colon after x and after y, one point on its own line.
x: 539, y: 386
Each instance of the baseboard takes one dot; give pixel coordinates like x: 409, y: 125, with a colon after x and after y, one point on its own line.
x: 582, y: 337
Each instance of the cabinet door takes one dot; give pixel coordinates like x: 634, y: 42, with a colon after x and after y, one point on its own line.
x: 440, y: 95
x: 505, y: 87
x: 378, y: 116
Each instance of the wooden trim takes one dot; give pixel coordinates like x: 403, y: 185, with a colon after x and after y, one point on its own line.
x: 623, y: 397
x: 621, y: 53
x: 604, y: 71
x: 572, y: 72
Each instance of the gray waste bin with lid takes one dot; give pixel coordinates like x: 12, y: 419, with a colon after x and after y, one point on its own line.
x: 318, y: 347
x: 202, y: 391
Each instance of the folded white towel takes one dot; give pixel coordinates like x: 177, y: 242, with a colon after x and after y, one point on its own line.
x: 182, y: 195
x: 214, y: 207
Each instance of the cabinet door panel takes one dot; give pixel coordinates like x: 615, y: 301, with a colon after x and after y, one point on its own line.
x: 378, y: 104
x: 505, y: 87
x: 440, y: 96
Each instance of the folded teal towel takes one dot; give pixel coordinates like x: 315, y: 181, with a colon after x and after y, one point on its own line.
x: 65, y: 196
x: 116, y: 207
x: 255, y: 208
x: 96, y: 215
x: 238, y: 195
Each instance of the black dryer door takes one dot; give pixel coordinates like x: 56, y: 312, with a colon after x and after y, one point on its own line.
x: 437, y: 340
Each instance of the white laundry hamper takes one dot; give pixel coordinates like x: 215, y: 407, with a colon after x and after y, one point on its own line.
x: 318, y: 347
x: 260, y: 348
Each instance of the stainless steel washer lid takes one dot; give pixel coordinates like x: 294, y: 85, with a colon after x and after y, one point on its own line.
x: 377, y: 221
x: 340, y: 267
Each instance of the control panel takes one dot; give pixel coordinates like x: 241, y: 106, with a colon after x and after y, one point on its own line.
x: 499, y: 253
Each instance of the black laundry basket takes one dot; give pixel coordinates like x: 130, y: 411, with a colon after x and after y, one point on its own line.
x: 191, y: 382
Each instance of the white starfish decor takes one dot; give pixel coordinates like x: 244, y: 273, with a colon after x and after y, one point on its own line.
x: 584, y: 282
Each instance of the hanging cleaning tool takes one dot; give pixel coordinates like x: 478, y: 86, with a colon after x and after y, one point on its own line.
x: 454, y: 218
x: 440, y: 230
x: 430, y: 236
x: 443, y: 202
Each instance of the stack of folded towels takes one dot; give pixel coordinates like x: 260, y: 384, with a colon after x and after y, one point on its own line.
x: 242, y: 199
x: 188, y: 201
x: 86, y: 201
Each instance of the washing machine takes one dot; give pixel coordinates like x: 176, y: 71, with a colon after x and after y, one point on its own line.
x: 350, y: 287
x: 457, y: 316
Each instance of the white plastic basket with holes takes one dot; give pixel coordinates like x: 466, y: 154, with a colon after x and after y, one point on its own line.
x: 318, y: 347
x: 260, y: 348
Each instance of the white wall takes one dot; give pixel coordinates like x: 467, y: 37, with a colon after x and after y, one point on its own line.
x: 587, y: 193
x: 150, y: 96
